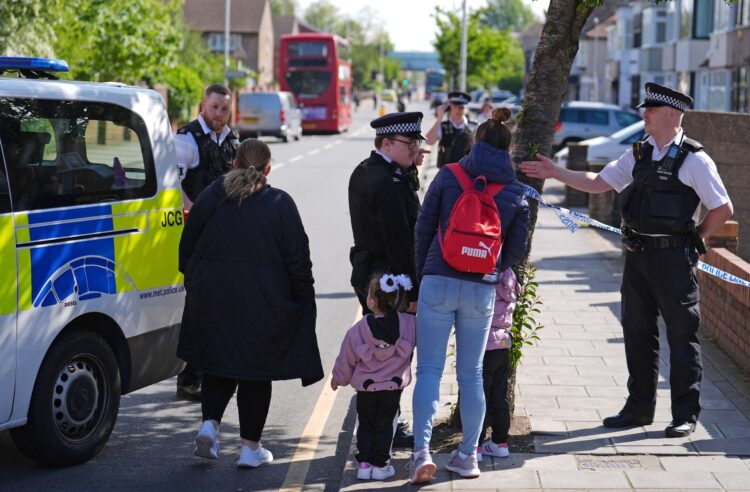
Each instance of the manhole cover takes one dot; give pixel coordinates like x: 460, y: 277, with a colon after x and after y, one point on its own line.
x: 609, y: 463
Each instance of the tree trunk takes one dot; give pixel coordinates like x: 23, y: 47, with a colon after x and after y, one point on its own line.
x: 547, y: 85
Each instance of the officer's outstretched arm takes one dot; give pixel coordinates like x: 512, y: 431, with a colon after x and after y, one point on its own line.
x: 544, y: 168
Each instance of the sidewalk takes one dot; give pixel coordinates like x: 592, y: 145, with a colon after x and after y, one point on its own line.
x: 576, y: 375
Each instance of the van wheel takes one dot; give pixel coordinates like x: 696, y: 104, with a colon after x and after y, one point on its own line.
x: 74, y: 404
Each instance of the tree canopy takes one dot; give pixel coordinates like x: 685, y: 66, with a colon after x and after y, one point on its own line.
x: 506, y: 15
x: 109, y: 41
x: 494, y: 57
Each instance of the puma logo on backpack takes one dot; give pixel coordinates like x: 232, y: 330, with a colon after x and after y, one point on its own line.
x: 472, y: 240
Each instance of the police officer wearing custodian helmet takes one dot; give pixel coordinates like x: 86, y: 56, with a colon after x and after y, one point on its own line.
x: 455, y: 135
x: 662, y: 180
x: 205, y: 149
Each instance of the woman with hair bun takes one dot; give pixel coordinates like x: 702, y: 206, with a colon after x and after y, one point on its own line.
x: 448, y: 296
x: 249, y: 315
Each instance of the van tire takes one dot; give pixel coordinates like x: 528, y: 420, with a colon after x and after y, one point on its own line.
x: 79, y: 366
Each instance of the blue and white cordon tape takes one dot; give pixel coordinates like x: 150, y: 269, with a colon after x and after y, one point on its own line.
x: 568, y: 218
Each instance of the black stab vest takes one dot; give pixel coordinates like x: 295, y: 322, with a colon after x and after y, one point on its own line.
x: 454, y: 144
x: 657, y: 202
x: 214, y: 159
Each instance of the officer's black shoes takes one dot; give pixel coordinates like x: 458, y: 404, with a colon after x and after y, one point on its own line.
x: 189, y: 391
x: 679, y: 428
x: 626, y: 419
x: 403, y: 438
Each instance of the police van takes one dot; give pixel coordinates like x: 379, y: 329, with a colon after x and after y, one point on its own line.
x: 90, y: 222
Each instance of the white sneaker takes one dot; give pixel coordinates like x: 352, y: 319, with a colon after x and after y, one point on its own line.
x: 466, y: 466
x: 382, y: 473
x: 496, y: 450
x: 207, y: 442
x: 364, y: 471
x: 421, y: 467
x: 252, y: 459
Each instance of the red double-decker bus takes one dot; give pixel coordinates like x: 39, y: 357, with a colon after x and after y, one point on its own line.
x: 317, y: 69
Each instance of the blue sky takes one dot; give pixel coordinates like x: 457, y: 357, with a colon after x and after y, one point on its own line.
x: 410, y: 23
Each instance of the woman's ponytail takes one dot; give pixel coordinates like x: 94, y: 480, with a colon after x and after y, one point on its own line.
x: 253, y: 157
x: 494, y: 131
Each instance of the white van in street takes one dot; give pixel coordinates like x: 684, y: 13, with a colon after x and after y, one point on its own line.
x: 90, y: 222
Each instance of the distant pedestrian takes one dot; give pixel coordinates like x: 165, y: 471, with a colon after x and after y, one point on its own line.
x: 455, y: 134
x: 495, y: 368
x: 355, y: 97
x: 249, y: 315
x: 485, y: 112
x: 449, y: 296
x: 205, y: 149
x: 375, y: 358
x: 663, y: 180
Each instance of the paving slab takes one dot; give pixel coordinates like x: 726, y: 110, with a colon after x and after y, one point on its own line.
x: 704, y: 463
x: 584, y: 479
x: 682, y: 480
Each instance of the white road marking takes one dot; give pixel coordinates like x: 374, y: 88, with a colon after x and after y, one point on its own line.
x: 295, y: 158
x: 313, y: 152
x: 308, y: 442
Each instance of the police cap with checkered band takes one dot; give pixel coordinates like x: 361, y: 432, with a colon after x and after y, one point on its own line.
x: 459, y: 98
x: 658, y: 95
x: 406, y: 124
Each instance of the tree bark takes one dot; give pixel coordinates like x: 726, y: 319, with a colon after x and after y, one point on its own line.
x: 547, y: 85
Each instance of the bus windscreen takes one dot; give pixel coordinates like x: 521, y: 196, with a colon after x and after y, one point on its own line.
x: 308, y: 84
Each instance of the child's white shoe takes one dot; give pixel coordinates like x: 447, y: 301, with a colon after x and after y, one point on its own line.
x: 207, y: 442
x: 364, y: 471
x: 253, y: 459
x: 496, y: 450
x: 382, y: 473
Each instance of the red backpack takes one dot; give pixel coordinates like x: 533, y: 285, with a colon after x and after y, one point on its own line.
x: 472, y: 241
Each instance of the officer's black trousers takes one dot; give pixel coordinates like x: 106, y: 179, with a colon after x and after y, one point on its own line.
x: 662, y: 281
x: 377, y: 412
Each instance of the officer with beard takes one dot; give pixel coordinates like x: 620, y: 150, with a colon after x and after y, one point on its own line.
x: 205, y: 149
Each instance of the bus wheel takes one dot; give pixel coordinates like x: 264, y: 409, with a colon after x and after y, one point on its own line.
x: 74, y: 404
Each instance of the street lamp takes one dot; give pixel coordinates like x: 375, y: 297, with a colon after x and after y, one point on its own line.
x: 464, y: 30
x: 227, y: 8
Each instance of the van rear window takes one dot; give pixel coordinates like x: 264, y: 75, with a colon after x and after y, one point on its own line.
x: 63, y: 153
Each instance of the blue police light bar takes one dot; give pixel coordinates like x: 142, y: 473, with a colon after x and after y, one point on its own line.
x: 26, y: 63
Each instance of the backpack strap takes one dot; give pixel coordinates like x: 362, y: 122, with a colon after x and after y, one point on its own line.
x: 460, y: 174
x: 466, y: 182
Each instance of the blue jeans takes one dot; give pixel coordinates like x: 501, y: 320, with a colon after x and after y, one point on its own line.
x: 444, y: 301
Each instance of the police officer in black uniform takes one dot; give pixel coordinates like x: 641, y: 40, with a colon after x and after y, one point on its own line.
x: 383, y: 206
x: 455, y: 134
x: 205, y: 149
x: 663, y: 180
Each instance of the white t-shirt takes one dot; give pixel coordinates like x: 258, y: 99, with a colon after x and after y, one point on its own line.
x: 698, y: 172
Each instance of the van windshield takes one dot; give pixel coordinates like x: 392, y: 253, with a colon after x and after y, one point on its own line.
x: 64, y: 153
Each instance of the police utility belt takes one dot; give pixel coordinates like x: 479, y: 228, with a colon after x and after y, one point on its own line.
x: 635, y: 242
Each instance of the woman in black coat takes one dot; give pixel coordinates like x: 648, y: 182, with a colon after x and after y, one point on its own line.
x: 249, y: 315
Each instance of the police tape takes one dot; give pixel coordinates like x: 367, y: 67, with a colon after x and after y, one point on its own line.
x: 566, y: 216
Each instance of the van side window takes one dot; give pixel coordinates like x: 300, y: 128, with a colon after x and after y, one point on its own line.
x: 64, y: 153
x: 4, y: 191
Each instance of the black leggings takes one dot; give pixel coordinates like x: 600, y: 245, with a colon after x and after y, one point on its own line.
x: 253, y: 401
x: 495, y: 375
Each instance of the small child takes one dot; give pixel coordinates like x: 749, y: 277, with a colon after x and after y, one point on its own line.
x: 495, y: 368
x: 375, y: 358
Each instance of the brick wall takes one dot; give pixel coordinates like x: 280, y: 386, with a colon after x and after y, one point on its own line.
x: 725, y: 138
x: 725, y: 307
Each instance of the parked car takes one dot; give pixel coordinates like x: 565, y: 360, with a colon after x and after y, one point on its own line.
x: 609, y: 148
x: 272, y: 113
x: 496, y: 96
x: 389, y: 95
x: 91, y: 215
x: 583, y: 120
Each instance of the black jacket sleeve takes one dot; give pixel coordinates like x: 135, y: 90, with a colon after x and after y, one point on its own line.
x: 392, y: 212
x: 295, y: 250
